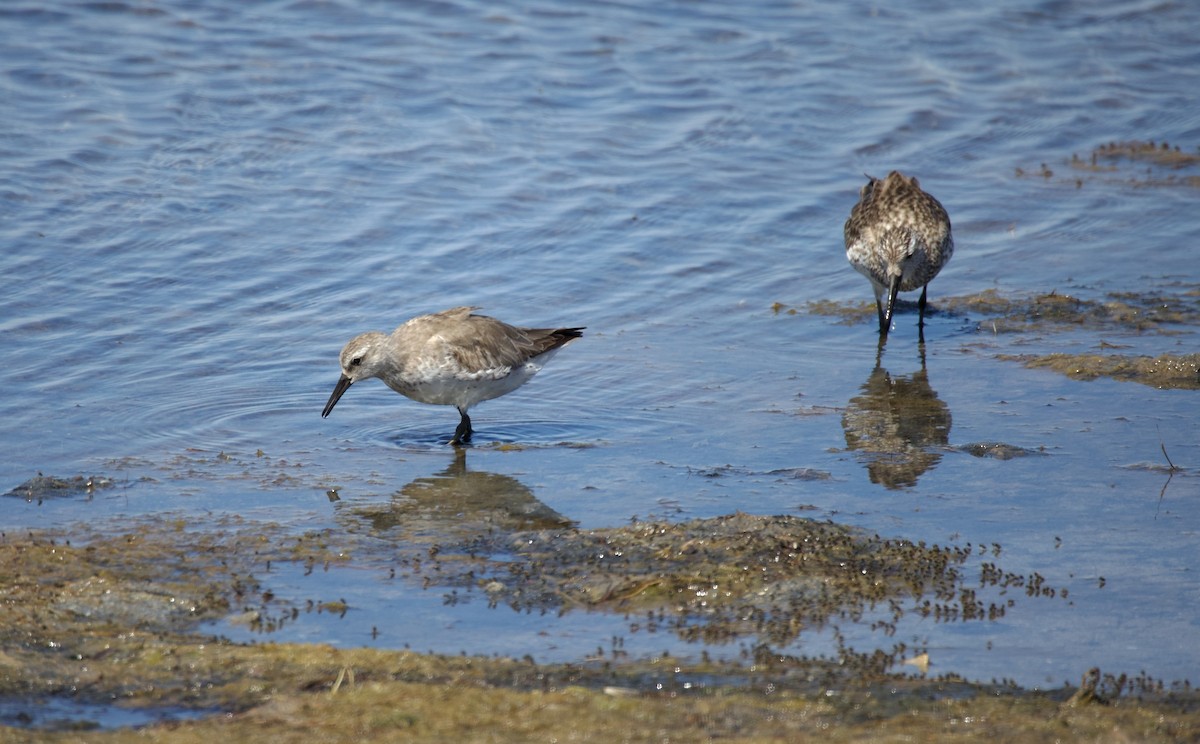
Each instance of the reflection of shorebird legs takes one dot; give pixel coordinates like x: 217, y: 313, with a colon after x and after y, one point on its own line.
x: 882, y: 343
x: 1172, y: 468
x: 459, y: 466
x: 897, y: 424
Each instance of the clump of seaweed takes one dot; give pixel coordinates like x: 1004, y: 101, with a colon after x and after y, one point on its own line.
x: 1107, y: 161
x: 1165, y: 371
x: 1118, y: 311
x: 1129, y: 311
x: 109, y: 618
x: 850, y: 313
x: 1159, y: 154
x: 42, y: 487
x: 1154, y: 312
x: 737, y: 576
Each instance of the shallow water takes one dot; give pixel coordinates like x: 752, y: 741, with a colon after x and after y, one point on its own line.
x: 203, y: 203
x: 71, y: 715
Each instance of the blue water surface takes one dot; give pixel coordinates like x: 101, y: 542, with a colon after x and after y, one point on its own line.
x: 201, y: 202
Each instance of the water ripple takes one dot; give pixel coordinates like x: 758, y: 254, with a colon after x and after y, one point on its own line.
x: 203, y: 202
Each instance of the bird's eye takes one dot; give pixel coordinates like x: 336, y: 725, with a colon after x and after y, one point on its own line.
x: 356, y: 361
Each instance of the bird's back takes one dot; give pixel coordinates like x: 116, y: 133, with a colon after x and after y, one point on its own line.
x: 479, y: 343
x: 897, y: 229
x: 457, y: 357
x: 897, y: 203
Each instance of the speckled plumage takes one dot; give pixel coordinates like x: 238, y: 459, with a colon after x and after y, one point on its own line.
x: 899, y: 237
x: 451, y: 358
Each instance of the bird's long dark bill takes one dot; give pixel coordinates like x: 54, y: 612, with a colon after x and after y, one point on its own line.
x: 342, y: 386
x: 893, y: 290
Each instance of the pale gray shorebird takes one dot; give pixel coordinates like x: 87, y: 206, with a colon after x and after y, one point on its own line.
x: 897, y: 236
x: 451, y: 358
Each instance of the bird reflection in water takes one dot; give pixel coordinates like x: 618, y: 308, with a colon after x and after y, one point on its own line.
x: 458, y: 500
x: 897, y: 424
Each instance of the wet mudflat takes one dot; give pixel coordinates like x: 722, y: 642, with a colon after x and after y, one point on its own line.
x: 1049, y: 319
x: 137, y: 617
x: 114, y: 620
x: 710, y: 516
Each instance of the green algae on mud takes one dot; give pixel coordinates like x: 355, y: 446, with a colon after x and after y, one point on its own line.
x: 1121, y: 311
x: 850, y: 313
x: 1156, y: 314
x: 42, y: 487
x: 1165, y: 371
x: 1162, y: 153
x: 718, y: 579
x: 1018, y: 312
x: 767, y: 579
x: 1135, y: 163
x: 997, y: 450
x: 60, y: 636
x: 407, y: 697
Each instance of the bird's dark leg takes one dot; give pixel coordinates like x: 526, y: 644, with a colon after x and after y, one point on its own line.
x: 462, y: 434
x: 921, y: 318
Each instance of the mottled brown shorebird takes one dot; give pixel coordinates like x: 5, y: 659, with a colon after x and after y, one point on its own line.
x: 451, y: 358
x: 898, y: 236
